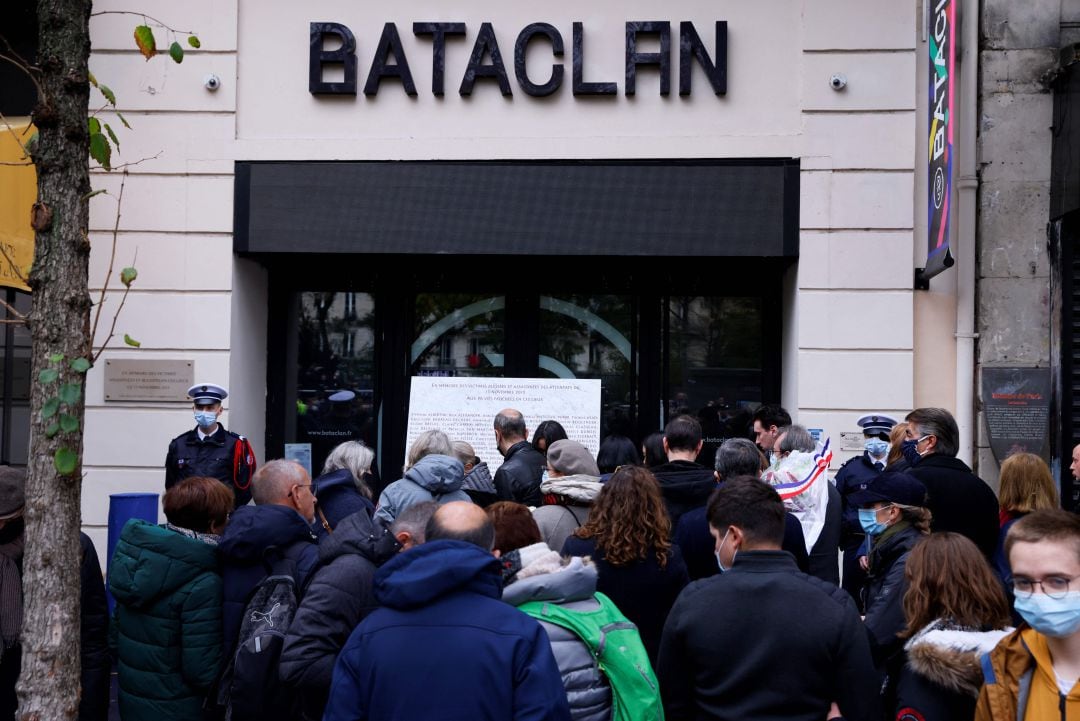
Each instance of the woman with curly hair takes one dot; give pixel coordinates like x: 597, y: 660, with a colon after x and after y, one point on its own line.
x: 628, y: 537
x: 955, y: 611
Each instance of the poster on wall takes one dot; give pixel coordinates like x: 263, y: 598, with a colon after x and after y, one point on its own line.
x: 1016, y: 406
x: 940, y: 146
x: 465, y: 409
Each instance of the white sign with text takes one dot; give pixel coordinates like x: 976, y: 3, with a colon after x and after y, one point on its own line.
x: 465, y: 409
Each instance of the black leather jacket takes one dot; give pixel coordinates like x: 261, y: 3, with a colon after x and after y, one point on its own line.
x: 518, y: 478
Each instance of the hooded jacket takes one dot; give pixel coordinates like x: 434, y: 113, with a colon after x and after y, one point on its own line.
x: 941, y: 675
x: 338, y: 498
x: 253, y: 530
x: 567, y: 500
x: 685, y: 486
x: 338, y: 597
x: 542, y: 577
x: 168, y: 621
x: 444, y: 644
x: 433, y: 478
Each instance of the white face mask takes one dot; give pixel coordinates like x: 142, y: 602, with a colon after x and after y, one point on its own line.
x: 719, y: 563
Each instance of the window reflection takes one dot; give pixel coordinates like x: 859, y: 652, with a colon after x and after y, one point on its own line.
x: 459, y: 334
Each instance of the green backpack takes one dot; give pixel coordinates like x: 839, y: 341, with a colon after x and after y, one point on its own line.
x: 617, y: 648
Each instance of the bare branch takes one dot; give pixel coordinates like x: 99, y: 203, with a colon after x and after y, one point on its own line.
x: 144, y: 16
x: 13, y: 321
x: 112, y: 327
x: 136, y: 162
x: 14, y: 267
x: 26, y: 151
x: 19, y: 317
x: 108, y: 275
x: 21, y: 65
x: 20, y: 164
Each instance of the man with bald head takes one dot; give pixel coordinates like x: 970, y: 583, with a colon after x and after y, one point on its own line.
x: 443, y: 644
x: 280, y: 519
x: 518, y: 478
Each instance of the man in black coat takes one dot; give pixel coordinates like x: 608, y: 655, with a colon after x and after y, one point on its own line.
x: 684, y: 483
x: 518, y: 478
x: 762, y: 640
x: 959, y: 500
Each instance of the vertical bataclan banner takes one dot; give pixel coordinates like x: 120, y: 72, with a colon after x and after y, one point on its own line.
x: 942, y: 77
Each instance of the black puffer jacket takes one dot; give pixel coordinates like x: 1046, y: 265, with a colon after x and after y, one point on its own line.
x: 884, y: 591
x: 338, y: 597
x: 518, y: 478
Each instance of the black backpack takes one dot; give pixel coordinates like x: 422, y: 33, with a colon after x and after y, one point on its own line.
x: 250, y: 689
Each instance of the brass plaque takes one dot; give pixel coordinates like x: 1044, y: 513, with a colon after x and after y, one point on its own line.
x: 148, y: 380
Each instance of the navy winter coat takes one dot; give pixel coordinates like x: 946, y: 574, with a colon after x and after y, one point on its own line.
x: 338, y: 498
x: 251, y: 531
x: 445, y: 646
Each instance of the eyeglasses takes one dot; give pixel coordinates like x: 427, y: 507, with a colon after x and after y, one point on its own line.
x: 1053, y: 586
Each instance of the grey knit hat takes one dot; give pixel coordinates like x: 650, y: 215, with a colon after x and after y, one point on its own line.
x: 12, y: 492
x: 571, y: 458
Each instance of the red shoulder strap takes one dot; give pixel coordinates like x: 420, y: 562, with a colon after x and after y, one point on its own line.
x: 243, y: 463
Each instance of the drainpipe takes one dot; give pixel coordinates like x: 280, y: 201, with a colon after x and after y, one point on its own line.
x: 968, y: 183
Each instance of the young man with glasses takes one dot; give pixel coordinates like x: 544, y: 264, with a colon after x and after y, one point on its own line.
x: 1033, y: 672
x: 209, y: 449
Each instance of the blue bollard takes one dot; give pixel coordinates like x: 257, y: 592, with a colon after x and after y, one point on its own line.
x: 122, y: 507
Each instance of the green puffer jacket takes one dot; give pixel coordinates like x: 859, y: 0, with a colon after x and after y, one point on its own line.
x: 167, y: 622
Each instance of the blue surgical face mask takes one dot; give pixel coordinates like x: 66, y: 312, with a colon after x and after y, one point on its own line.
x: 544, y: 477
x: 869, y: 522
x: 876, y: 447
x: 1057, y: 617
x: 205, y: 419
x: 719, y: 563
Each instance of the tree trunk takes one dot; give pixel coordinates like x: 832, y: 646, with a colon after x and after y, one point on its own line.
x: 59, y: 324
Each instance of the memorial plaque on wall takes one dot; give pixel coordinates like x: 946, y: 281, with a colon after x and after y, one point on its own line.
x: 148, y: 380
x: 1016, y: 406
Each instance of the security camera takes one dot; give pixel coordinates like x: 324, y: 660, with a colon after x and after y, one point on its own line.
x: 212, y: 82
x: 838, y: 81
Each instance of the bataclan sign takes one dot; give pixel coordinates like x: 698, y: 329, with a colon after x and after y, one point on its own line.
x: 486, y: 60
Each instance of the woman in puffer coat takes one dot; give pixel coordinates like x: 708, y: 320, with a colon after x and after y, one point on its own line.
x: 533, y: 572
x: 956, y: 611
x: 168, y: 593
x: 431, y: 474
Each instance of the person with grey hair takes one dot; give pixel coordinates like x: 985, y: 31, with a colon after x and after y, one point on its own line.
x: 735, y: 457
x: 342, y: 488
x: 432, y: 474
x: 481, y: 658
x: 958, y: 500
x: 824, y: 557
x: 408, y: 528
x: 281, y: 519
x: 518, y: 478
x: 478, y: 482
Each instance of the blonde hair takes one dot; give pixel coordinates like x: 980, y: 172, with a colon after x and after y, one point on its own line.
x: 1026, y: 484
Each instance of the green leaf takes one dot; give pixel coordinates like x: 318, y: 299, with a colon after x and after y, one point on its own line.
x: 70, y: 392
x: 194, y: 42
x: 68, y: 424
x: 94, y: 125
x: 56, y: 357
x: 144, y: 38
x: 50, y: 407
x: 91, y: 78
x: 80, y: 365
x: 49, y: 375
x: 100, y: 150
x: 112, y: 136
x: 176, y: 52
x: 123, y: 120
x: 109, y: 94
x: 52, y: 430
x: 128, y: 276
x: 131, y: 341
x: 65, y: 461
x: 92, y: 193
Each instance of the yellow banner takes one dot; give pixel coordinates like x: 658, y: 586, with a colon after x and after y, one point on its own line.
x: 18, y: 192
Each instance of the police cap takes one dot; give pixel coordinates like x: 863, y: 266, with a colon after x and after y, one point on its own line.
x: 207, y: 393
x: 872, y: 425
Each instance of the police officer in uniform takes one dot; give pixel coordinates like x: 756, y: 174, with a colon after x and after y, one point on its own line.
x: 851, y: 478
x: 210, y: 450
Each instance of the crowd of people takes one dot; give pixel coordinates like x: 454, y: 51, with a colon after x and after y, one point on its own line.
x: 635, y: 583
